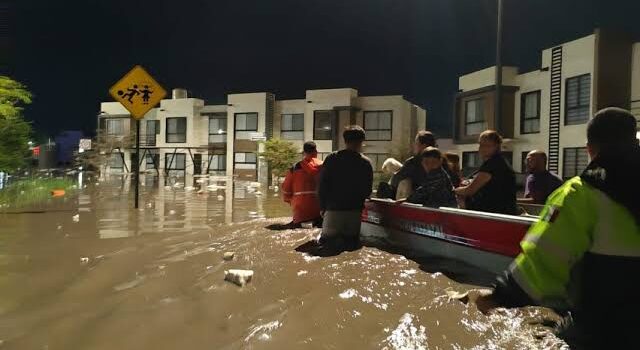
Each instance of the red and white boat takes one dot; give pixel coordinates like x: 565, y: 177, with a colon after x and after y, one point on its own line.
x: 485, y: 240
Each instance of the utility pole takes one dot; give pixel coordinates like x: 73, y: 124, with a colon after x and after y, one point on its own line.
x: 498, y: 96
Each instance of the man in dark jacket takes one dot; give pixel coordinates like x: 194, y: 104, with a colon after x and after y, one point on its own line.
x: 412, y: 168
x: 346, y: 180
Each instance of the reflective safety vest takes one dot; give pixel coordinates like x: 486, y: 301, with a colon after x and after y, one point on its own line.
x: 584, y: 253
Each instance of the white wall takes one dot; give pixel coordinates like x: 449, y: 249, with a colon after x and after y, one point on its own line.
x: 401, y: 123
x: 487, y: 77
x: 293, y: 107
x: 243, y: 103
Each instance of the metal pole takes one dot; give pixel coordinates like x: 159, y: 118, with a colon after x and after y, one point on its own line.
x: 498, y: 97
x: 137, y: 168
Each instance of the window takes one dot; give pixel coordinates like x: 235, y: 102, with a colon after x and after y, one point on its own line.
x: 246, y: 124
x: 116, y: 161
x: 323, y: 125
x: 217, y: 162
x: 151, y: 160
x: 152, y: 128
x: 574, y: 161
x: 245, y: 160
x: 470, y: 163
x: 376, y: 160
x: 217, y: 129
x: 530, y: 113
x: 578, y: 97
x: 177, y: 161
x: 377, y: 125
x: 474, y: 122
x: 292, y: 126
x: 115, y: 127
x: 176, y: 130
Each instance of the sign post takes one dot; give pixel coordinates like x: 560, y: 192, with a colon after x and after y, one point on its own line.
x: 138, y: 92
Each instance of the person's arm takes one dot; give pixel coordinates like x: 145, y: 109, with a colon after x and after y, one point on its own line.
x: 551, y: 248
x: 368, y: 183
x: 324, y: 184
x: 287, y: 187
x: 481, y: 179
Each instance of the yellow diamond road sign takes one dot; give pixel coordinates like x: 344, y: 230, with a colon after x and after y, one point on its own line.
x: 138, y: 92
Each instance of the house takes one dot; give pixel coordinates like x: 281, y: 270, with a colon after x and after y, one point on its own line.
x: 185, y: 136
x: 548, y: 108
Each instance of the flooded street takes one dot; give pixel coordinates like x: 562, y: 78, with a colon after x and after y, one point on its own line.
x: 92, y: 273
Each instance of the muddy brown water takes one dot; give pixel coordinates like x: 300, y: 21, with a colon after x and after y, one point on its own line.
x: 153, y: 278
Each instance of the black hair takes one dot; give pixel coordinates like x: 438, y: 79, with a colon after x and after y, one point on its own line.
x: 309, y: 147
x: 612, y: 128
x: 426, y: 138
x: 353, y: 134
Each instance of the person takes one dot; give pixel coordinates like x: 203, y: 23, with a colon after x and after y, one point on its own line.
x: 390, y: 166
x: 540, y: 182
x: 412, y: 168
x: 436, y: 190
x: 453, y: 161
x: 346, y: 180
x: 299, y: 188
x: 493, y: 189
x: 584, y: 252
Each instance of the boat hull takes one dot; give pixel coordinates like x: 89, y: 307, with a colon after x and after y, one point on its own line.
x: 484, y: 240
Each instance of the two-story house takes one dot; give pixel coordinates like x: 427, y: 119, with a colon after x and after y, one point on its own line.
x: 548, y: 109
x: 185, y: 136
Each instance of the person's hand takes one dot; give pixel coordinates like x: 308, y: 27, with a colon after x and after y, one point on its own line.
x: 322, y: 212
x: 460, y: 191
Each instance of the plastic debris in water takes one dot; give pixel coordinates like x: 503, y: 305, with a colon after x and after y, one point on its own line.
x: 258, y: 193
x: 189, y: 188
x: 238, y: 277
x: 84, y: 260
x: 220, y: 198
x: 76, y: 218
x: 228, y: 256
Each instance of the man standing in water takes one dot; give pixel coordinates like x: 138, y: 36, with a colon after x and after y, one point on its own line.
x: 346, y: 181
x: 299, y: 188
x: 584, y: 252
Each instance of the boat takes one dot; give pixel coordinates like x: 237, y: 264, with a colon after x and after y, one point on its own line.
x: 485, y: 240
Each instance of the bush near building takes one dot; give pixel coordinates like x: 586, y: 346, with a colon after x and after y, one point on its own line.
x: 14, y: 130
x: 280, y: 155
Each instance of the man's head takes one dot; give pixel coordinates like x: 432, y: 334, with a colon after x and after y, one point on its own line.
x: 431, y: 159
x: 454, y: 160
x: 489, y: 143
x: 536, y: 161
x: 353, y: 137
x: 423, y: 140
x: 309, y: 148
x: 611, y: 130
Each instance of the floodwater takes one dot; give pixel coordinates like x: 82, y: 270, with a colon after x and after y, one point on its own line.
x: 92, y: 273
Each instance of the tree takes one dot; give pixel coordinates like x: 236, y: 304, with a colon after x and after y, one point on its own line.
x: 280, y: 155
x: 14, y: 130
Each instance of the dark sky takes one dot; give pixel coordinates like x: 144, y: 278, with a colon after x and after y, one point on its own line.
x: 70, y: 52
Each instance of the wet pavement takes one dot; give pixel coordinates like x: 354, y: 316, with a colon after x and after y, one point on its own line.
x: 92, y: 273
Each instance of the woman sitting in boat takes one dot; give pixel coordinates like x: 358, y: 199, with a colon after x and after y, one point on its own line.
x: 493, y: 188
x: 436, y: 189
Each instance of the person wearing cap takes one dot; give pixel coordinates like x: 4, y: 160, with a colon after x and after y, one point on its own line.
x: 299, y: 188
x: 346, y: 180
x: 583, y: 254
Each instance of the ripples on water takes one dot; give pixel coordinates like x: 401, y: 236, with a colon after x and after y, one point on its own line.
x: 153, y: 279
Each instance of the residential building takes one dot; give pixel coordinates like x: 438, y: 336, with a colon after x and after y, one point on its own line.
x: 548, y: 109
x: 185, y: 136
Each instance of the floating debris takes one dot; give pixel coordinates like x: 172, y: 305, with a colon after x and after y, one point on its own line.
x: 84, y: 260
x: 239, y: 277
x: 76, y: 218
x: 228, y: 256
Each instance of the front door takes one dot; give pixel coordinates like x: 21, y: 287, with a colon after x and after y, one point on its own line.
x: 197, y: 164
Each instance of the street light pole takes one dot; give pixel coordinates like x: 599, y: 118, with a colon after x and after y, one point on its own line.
x: 498, y: 96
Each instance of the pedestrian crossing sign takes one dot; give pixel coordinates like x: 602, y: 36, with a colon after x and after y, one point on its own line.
x: 138, y: 92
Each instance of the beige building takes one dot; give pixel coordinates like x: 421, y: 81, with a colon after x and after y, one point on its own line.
x: 548, y: 109
x: 185, y: 136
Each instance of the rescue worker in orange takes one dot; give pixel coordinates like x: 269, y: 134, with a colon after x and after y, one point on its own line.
x: 300, y: 188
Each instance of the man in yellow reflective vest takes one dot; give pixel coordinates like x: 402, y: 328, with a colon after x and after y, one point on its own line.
x: 583, y: 255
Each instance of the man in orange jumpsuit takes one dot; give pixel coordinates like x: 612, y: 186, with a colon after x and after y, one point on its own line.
x: 300, y: 188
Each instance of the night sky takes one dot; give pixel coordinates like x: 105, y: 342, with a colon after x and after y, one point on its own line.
x: 70, y: 52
